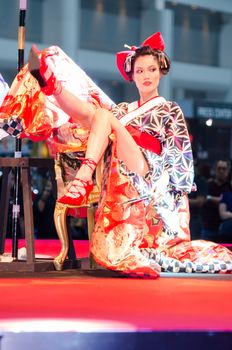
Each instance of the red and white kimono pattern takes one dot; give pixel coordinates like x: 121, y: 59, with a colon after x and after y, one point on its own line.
x: 143, y: 222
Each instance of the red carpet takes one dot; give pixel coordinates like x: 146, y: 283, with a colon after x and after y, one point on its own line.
x: 102, y: 302
x: 51, y: 247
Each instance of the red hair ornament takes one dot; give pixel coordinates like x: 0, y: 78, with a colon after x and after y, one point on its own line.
x: 123, y: 58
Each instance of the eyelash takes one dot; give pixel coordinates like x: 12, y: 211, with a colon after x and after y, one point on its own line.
x: 140, y: 71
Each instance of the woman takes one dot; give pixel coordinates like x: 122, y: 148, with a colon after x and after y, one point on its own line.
x: 142, y: 218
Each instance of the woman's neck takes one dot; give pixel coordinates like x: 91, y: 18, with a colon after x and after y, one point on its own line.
x: 146, y: 97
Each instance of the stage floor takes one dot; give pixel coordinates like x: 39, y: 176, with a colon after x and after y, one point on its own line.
x: 101, y: 300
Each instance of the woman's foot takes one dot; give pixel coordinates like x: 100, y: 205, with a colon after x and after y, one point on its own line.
x: 41, y: 72
x: 78, y: 192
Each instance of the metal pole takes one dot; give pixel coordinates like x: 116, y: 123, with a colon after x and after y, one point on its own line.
x: 18, y: 143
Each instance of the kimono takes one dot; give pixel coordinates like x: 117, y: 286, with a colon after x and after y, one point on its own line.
x: 3, y: 91
x: 3, y: 88
x: 142, y: 223
x: 27, y: 113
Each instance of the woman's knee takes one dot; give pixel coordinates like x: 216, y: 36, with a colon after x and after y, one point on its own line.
x: 102, y: 115
x: 101, y: 122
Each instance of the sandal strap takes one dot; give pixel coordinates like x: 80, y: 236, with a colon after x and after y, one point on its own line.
x: 83, y: 184
x: 89, y: 162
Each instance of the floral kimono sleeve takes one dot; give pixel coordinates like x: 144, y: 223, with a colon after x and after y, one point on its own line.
x: 120, y: 110
x: 178, y: 152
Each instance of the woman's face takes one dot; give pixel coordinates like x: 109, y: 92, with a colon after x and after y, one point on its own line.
x: 147, y: 75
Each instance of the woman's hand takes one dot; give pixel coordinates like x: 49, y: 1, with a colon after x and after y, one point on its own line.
x: 65, y: 130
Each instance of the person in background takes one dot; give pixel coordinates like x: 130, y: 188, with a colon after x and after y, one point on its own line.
x: 196, y: 201
x: 43, y: 209
x: 225, y: 211
x: 217, y: 185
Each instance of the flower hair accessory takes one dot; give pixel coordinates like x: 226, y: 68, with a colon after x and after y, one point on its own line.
x: 123, y: 58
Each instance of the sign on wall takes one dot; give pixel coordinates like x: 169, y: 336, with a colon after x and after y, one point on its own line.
x: 213, y: 110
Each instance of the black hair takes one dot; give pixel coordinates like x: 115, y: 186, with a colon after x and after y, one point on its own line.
x: 162, y: 58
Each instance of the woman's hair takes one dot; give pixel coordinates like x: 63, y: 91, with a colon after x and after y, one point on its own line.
x: 162, y: 58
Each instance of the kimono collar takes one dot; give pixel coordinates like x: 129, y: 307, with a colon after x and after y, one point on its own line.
x: 134, y: 110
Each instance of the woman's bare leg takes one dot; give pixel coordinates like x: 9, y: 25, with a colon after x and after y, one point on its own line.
x: 79, y: 110
x: 103, y: 124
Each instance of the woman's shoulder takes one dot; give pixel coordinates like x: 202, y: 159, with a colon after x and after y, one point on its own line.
x: 174, y: 107
x: 173, y: 104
